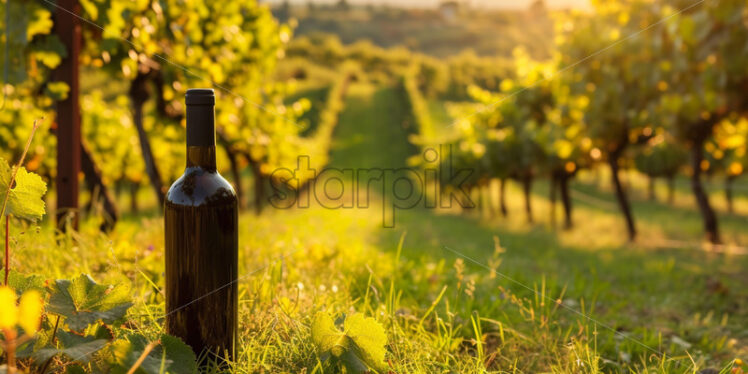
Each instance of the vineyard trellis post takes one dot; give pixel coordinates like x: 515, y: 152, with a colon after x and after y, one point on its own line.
x: 68, y: 29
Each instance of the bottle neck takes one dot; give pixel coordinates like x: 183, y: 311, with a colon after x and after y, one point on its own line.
x: 201, y: 156
x: 201, y: 136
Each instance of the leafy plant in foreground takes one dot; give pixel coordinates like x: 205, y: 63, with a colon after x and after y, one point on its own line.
x: 23, y: 195
x: 86, y: 335
x: 358, y: 348
x: 81, y: 330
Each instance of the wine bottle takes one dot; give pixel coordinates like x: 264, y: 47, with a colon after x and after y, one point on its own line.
x: 201, y: 236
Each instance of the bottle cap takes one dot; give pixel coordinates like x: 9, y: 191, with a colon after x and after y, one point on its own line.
x: 200, y: 96
x: 200, y: 115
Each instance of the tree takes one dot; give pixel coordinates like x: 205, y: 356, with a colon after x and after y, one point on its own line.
x: 616, y: 76
x: 567, y: 146
x: 728, y: 154
x: 519, y: 115
x: 33, y: 90
x: 174, y: 45
x: 704, y: 58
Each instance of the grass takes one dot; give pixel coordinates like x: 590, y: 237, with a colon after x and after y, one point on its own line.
x: 463, y: 293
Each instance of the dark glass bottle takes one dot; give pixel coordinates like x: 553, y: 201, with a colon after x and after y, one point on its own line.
x: 200, y: 217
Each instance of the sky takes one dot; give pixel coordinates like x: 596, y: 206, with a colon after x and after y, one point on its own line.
x: 509, y: 4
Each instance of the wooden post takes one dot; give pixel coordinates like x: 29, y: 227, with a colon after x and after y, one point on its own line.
x: 68, y: 29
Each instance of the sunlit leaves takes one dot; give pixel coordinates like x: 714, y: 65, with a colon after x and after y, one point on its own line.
x: 22, y: 283
x: 82, y: 301
x: 49, y: 51
x: 39, y: 22
x: 71, y: 346
x: 359, y: 346
x: 563, y: 148
x: 110, y: 134
x: 705, y: 50
x: 615, y: 73
x: 197, y: 44
x: 58, y: 91
x: 368, y: 338
x: 80, y: 305
x: 325, y: 335
x: 25, y: 196
x: 167, y: 355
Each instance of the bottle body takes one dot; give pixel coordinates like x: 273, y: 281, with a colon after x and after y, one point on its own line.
x: 201, y: 248
x: 201, y: 262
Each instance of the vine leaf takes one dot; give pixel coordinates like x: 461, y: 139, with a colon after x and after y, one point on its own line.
x: 83, y: 302
x: 327, y: 338
x: 22, y: 283
x: 170, y: 356
x: 368, y: 338
x: 25, y: 198
x: 57, y: 91
x: 360, y: 347
x: 77, y: 348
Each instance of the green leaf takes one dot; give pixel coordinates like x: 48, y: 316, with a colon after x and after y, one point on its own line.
x: 57, y: 91
x: 171, y: 355
x: 369, y: 339
x: 22, y: 283
x: 49, y: 51
x: 75, y: 347
x: 25, y: 198
x: 90, y: 8
x: 326, y: 337
x: 179, y: 352
x: 564, y: 148
x: 359, y: 348
x: 84, y: 302
x: 353, y: 362
x: 40, y: 22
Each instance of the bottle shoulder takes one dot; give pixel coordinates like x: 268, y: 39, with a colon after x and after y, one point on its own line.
x: 198, y: 186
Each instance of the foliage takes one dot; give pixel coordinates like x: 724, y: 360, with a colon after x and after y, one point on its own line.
x: 327, y: 50
x: 171, y: 355
x: 425, y: 133
x: 661, y: 158
x: 619, y: 85
x: 28, y: 91
x: 110, y: 134
x: 510, y: 125
x: 83, y: 302
x: 701, y: 58
x: 232, y: 47
x: 727, y: 149
x: 89, y: 311
x: 358, y: 347
x: 83, y: 333
x: 24, y: 199
x: 467, y: 69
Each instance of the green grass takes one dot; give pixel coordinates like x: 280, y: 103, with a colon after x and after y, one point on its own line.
x: 371, y: 131
x: 466, y: 293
